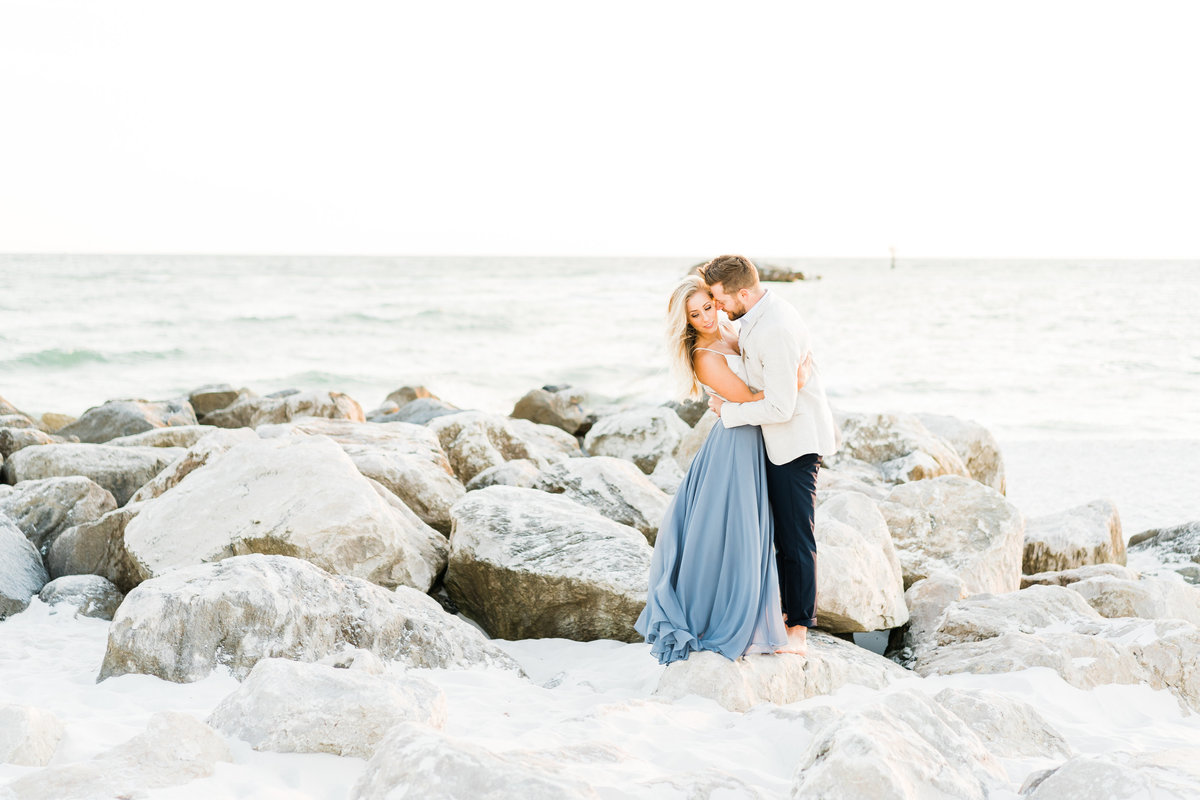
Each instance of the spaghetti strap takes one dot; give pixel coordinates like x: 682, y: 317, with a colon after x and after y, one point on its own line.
x: 718, y: 352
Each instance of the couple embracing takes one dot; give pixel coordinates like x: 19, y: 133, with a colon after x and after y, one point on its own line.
x: 735, y: 561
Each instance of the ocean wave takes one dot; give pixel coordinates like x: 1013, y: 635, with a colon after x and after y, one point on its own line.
x: 56, y: 358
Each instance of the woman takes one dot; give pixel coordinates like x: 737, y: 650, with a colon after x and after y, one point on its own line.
x: 713, y: 579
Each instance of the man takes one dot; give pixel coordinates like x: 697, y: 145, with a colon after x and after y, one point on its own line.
x: 797, y: 426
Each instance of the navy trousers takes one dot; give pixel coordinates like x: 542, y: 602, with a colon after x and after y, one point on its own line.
x: 792, y: 490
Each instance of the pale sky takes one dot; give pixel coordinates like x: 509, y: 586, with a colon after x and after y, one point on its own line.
x: 995, y: 129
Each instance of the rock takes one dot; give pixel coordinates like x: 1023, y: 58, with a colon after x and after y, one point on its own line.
x: 28, y: 735
x: 691, y: 410
x: 974, y: 444
x: 667, y: 475
x: 120, y: 470
x: 217, y: 441
x: 407, y: 394
x: 407, y: 459
x: 957, y: 525
x: 97, y: 548
x: 44, y: 508
x: 355, y: 658
x: 236, y: 612
x: 8, y: 408
x: 421, y: 411
x: 1053, y: 626
x: 1068, y: 576
x: 14, y: 439
x: 175, y: 436
x: 560, y: 408
x: 1149, y: 598
x: 852, y: 475
x: 1178, y: 547
x: 905, y: 745
x: 89, y: 595
x: 927, y: 600
x: 250, y: 411
x: 53, y: 423
x: 1011, y: 728
x: 475, y: 441
x: 299, y: 496
x: 691, y: 442
x: 859, y: 583
x: 415, y: 761
x: 1087, y: 534
x: 292, y: 707
x: 902, y: 448
x: 22, y: 574
x: 174, y: 749
x: 212, y: 397
x: 1169, y: 773
x: 613, y: 487
x: 17, y: 421
x: 641, y: 435
x: 528, y: 565
x: 519, y: 472
x: 124, y: 417
x: 830, y: 664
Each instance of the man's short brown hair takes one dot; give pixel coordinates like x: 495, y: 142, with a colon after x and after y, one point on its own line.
x: 734, y: 273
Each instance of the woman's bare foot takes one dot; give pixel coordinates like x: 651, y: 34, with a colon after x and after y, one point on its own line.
x: 797, y: 642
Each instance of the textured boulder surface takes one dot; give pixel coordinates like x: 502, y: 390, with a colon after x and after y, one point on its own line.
x: 975, y: 445
x: 126, y: 417
x: 88, y: 595
x: 28, y: 735
x: 1011, y: 727
x: 476, y: 441
x: 899, y: 445
x: 217, y: 441
x: 14, y: 439
x: 611, y: 486
x: 250, y: 411
x: 527, y: 564
x: 22, y: 574
x: 830, y: 664
x: 1178, y: 547
x: 954, y: 524
x: 297, y: 496
x: 175, y: 436
x: 293, y: 707
x: 641, y: 435
x: 859, y: 583
x: 1087, y: 534
x: 520, y: 472
x: 120, y: 470
x: 44, y: 508
x: 212, y: 397
x: 97, y: 548
x: 1172, y: 774
x: 407, y: 459
x: 562, y: 408
x: 239, y: 611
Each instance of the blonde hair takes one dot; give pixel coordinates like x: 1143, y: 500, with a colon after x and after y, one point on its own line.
x: 681, y: 336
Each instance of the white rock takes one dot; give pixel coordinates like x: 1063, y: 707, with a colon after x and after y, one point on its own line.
x: 174, y: 436
x: 614, y: 487
x: 927, y: 600
x: 901, y: 746
x: 859, y: 583
x: 475, y: 441
x: 173, y: 750
x: 1010, y: 727
x: 125, y: 417
x: 87, y: 595
x: 292, y: 707
x: 691, y: 442
x: 407, y: 459
x: 974, y: 444
x: 120, y: 470
x: 1178, y: 547
x: 1150, y: 597
x: 899, y: 445
x: 28, y: 735
x: 641, y: 435
x: 519, y: 472
x: 197, y: 455
x: 1087, y: 534
x: 250, y: 411
x: 45, y: 508
x: 298, y: 496
x: 527, y: 564
x: 830, y: 664
x: 22, y: 574
x: 957, y: 525
x: 239, y: 611
x: 667, y: 475
x: 1068, y: 576
x: 1164, y: 774
x: 852, y: 475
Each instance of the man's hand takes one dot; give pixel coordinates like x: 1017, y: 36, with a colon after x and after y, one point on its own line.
x: 715, y: 404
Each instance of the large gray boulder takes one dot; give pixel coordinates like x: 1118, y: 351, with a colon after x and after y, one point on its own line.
x: 526, y: 565
x: 212, y: 397
x: 421, y: 411
x: 1178, y: 547
x: 1011, y: 727
x: 28, y: 735
x: 250, y: 410
x: 955, y: 524
x: 120, y: 470
x: 13, y: 439
x: 22, y: 574
x: 174, y: 749
x: 830, y: 664
x: 407, y: 459
x: 289, y: 706
x: 612, y: 486
x: 1086, y: 534
x: 236, y: 612
x: 899, y: 445
x: 975, y: 445
x: 97, y: 548
x: 641, y: 435
x: 125, y: 417
x: 175, y: 436
x: 86, y: 595
x: 476, y: 441
x: 45, y: 508
x: 860, y: 585
x: 561, y: 408
x: 299, y: 496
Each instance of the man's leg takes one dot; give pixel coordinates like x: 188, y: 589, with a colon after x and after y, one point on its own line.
x: 793, y: 492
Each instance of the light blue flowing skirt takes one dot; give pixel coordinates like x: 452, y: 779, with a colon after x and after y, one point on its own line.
x: 713, y: 579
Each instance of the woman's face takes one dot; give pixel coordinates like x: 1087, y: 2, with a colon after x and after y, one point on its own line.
x: 702, y: 313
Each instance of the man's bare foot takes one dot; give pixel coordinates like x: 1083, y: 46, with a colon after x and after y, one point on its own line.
x: 797, y: 642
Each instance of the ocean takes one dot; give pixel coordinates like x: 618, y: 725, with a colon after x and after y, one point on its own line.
x: 1088, y: 372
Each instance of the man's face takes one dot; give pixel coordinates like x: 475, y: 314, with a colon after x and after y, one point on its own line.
x: 731, y: 304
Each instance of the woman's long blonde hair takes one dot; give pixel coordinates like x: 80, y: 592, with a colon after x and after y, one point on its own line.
x: 681, y: 336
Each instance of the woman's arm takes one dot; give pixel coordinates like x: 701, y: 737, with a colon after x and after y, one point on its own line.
x: 713, y: 370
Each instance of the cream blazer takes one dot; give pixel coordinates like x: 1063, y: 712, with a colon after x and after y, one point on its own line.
x: 794, y: 422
